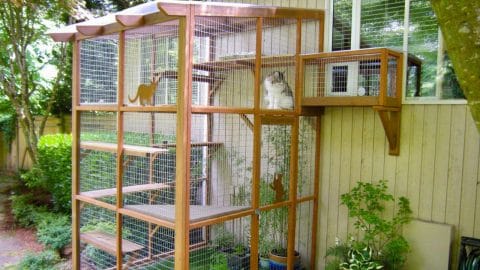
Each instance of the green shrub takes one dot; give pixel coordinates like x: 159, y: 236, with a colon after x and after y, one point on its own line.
x: 53, y: 171
x: 40, y: 261
x: 24, y: 211
x: 54, y: 230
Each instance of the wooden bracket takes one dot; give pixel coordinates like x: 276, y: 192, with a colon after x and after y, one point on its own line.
x: 390, y: 117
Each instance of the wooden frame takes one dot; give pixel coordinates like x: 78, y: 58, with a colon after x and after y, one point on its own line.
x: 388, y: 108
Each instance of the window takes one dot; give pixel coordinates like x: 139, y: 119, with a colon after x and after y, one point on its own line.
x: 382, y: 23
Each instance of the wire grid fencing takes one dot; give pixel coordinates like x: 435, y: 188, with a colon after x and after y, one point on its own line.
x: 306, y: 157
x: 303, y: 239
x: 97, y: 221
x: 310, y: 36
x: 275, y: 164
x: 224, y: 60
x: 229, y: 172
x: 157, y: 242
x: 347, y: 76
x: 97, y: 163
x: 228, y: 246
x: 392, y: 76
x: 273, y: 233
x: 98, y: 70
x: 278, y: 63
x: 151, y: 63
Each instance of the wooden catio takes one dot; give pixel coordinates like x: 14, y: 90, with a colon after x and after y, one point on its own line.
x: 183, y: 158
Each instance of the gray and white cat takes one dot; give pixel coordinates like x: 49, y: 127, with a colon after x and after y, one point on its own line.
x: 278, y: 95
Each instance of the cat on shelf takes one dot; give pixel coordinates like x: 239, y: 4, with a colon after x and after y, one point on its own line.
x: 145, y: 92
x: 278, y: 94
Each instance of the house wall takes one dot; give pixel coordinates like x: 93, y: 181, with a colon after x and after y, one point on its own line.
x: 437, y: 168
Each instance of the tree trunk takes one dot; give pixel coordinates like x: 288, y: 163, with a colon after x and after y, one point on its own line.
x: 459, y: 21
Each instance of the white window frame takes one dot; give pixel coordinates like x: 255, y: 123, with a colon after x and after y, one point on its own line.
x: 355, y: 44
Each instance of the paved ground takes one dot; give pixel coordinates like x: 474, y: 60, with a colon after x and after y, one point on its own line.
x: 14, y: 242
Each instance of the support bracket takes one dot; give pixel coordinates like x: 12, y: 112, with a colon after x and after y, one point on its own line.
x: 390, y: 117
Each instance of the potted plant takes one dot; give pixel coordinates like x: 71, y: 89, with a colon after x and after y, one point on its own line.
x: 237, y: 255
x: 381, y: 236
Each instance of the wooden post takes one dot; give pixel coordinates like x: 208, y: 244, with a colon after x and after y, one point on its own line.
x: 292, y: 211
x: 120, y: 96
x: 75, y: 157
x: 257, y: 133
x: 383, y: 77
x: 316, y: 189
x: 182, y: 202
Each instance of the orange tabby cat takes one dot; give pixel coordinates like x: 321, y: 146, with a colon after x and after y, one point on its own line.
x: 145, y: 92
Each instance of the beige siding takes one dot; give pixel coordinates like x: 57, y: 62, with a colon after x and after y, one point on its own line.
x: 437, y: 168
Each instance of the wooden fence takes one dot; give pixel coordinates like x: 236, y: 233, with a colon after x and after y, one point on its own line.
x: 14, y: 157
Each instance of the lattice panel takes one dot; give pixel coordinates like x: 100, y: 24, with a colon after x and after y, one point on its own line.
x: 275, y: 164
x: 224, y: 53
x: 303, y: 239
x: 151, y: 62
x: 98, y: 70
x: 353, y: 75
x: 306, y: 157
x: 229, y: 171
x: 98, y: 229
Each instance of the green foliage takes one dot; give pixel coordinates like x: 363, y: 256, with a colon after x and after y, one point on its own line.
x: 223, y: 238
x: 24, y: 211
x: 44, y: 260
x: 360, y: 259
x: 366, y: 204
x: 219, y: 261
x: 7, y: 120
x: 53, y: 171
x: 54, y: 230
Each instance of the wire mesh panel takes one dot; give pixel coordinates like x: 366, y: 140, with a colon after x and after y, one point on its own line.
x: 228, y: 246
x: 98, y: 229
x: 149, y: 163
x: 304, y: 238
x: 224, y: 60
x: 151, y: 61
x: 278, y: 63
x: 229, y: 172
x: 392, y: 76
x: 157, y: 242
x: 272, y: 243
x: 275, y: 164
x: 98, y: 70
x: 311, y: 36
x: 347, y: 76
x: 98, y: 159
x: 306, y: 157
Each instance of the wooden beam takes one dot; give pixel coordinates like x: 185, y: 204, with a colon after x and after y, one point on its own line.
x: 182, y: 172
x: 75, y: 157
x: 390, y: 118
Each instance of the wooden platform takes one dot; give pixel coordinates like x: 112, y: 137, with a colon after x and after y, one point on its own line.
x: 131, y: 150
x: 197, y: 212
x: 108, y: 243
x: 129, y: 189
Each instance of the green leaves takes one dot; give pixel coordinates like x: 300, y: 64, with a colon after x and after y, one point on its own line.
x: 382, y: 244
